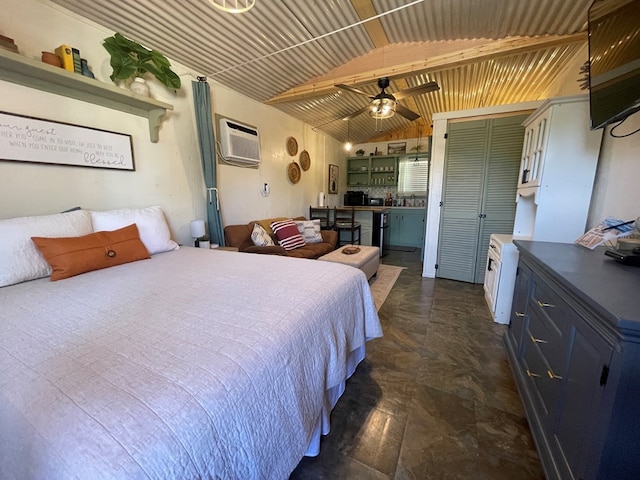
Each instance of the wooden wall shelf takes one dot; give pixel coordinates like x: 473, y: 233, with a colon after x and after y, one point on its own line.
x: 25, y: 71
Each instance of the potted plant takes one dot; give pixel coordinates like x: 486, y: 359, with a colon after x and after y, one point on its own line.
x: 129, y: 60
x: 360, y: 152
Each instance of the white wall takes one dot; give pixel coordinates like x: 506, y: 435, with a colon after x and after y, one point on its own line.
x: 617, y: 186
x: 167, y: 173
x: 615, y: 190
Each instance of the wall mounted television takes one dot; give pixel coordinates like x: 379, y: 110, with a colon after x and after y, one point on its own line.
x: 614, y: 60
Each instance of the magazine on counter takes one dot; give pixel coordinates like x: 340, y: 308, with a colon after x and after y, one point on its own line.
x: 607, y: 230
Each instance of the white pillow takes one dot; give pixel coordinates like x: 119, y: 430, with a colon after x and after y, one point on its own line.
x: 153, y: 228
x: 310, y: 230
x: 20, y: 259
x: 260, y: 237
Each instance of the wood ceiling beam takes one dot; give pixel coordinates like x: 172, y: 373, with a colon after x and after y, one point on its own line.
x: 365, y: 9
x: 375, y: 30
x: 487, y: 51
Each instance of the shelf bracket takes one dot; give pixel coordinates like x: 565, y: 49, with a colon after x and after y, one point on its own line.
x: 155, y: 118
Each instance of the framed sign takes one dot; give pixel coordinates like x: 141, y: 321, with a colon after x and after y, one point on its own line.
x: 399, y: 148
x: 36, y: 140
x: 333, y: 179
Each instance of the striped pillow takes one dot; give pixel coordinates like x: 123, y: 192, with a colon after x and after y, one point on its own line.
x: 287, y: 234
x: 310, y: 230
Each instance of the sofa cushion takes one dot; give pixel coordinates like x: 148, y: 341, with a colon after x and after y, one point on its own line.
x: 288, y: 235
x: 260, y: 237
x: 310, y: 230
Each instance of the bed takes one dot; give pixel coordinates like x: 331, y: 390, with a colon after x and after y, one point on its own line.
x: 190, y: 364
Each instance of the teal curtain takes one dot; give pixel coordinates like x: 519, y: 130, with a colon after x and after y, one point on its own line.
x: 207, y: 141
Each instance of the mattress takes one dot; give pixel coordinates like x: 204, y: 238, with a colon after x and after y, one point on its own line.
x: 192, y: 364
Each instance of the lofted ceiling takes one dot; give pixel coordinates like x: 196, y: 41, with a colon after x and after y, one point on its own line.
x: 292, y: 53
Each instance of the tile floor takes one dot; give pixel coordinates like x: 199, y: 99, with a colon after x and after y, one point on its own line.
x: 434, y: 399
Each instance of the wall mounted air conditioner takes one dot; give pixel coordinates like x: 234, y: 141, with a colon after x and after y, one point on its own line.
x: 240, y: 143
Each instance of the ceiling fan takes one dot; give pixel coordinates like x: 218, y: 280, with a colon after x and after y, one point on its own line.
x: 385, y: 105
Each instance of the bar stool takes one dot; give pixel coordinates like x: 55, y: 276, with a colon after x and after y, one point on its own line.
x: 324, y: 215
x: 345, y: 222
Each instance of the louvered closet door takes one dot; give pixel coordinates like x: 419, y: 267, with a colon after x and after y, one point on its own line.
x: 506, y: 136
x: 482, y: 161
x: 461, y: 199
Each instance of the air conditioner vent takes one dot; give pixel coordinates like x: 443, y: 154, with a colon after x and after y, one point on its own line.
x: 240, y: 143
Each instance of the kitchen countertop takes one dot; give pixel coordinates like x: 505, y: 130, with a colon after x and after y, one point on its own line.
x: 376, y: 208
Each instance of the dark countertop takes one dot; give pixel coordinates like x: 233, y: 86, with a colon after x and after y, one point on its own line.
x: 608, y: 287
x: 379, y: 209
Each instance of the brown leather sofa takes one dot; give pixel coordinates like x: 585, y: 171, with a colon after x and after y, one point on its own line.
x: 239, y: 236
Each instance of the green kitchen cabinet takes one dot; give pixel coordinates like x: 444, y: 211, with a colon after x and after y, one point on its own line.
x: 372, y: 171
x: 406, y: 227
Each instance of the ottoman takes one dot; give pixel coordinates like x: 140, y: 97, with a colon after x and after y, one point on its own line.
x: 367, y: 259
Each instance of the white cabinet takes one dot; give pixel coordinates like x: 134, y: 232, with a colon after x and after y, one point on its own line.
x: 535, y: 142
x: 559, y: 159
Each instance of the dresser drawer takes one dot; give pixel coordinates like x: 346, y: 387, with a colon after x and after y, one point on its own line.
x: 546, y: 389
x: 550, y: 324
x: 549, y: 340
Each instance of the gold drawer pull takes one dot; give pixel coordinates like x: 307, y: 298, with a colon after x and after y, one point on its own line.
x: 537, y: 340
x: 532, y: 374
x: 553, y: 375
x: 518, y: 314
x: 543, y: 305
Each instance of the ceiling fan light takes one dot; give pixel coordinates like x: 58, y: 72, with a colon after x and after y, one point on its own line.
x: 382, y: 108
x: 233, y: 6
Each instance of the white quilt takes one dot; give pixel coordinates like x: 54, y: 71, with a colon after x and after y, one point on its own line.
x: 192, y: 364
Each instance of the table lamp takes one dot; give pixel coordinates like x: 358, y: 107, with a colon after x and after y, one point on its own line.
x: 197, y: 231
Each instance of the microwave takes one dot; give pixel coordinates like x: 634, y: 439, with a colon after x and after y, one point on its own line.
x: 356, y: 199
x: 376, y: 202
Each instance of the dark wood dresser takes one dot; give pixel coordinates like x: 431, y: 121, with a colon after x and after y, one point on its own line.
x: 574, y: 347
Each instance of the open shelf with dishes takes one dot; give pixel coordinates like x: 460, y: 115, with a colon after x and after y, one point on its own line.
x: 372, y: 171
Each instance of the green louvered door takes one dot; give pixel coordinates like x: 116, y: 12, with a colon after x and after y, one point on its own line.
x: 480, y: 180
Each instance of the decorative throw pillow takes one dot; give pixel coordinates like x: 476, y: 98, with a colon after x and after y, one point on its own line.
x: 153, y: 228
x: 69, y: 256
x: 20, y: 260
x: 310, y: 230
x: 260, y: 237
x: 287, y: 234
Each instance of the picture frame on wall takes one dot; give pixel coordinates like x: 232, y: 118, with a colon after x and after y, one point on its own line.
x: 398, y: 148
x: 332, y: 187
x: 38, y: 140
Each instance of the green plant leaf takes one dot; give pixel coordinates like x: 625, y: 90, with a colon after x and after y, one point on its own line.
x: 130, y: 59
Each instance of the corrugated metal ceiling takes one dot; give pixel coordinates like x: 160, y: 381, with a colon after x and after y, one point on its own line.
x: 252, y: 53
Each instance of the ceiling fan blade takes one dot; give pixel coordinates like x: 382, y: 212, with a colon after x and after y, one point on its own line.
x: 352, y: 89
x: 356, y: 113
x: 406, y: 113
x: 419, y: 90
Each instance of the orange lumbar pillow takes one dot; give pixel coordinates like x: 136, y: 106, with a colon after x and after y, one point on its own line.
x: 69, y: 256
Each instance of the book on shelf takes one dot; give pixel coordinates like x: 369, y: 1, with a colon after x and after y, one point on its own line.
x: 66, y: 55
x: 77, y: 64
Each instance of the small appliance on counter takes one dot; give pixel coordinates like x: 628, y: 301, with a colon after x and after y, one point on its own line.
x: 625, y: 257
x: 376, y: 202
x: 356, y: 199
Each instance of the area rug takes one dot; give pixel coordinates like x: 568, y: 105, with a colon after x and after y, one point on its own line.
x: 383, y: 282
